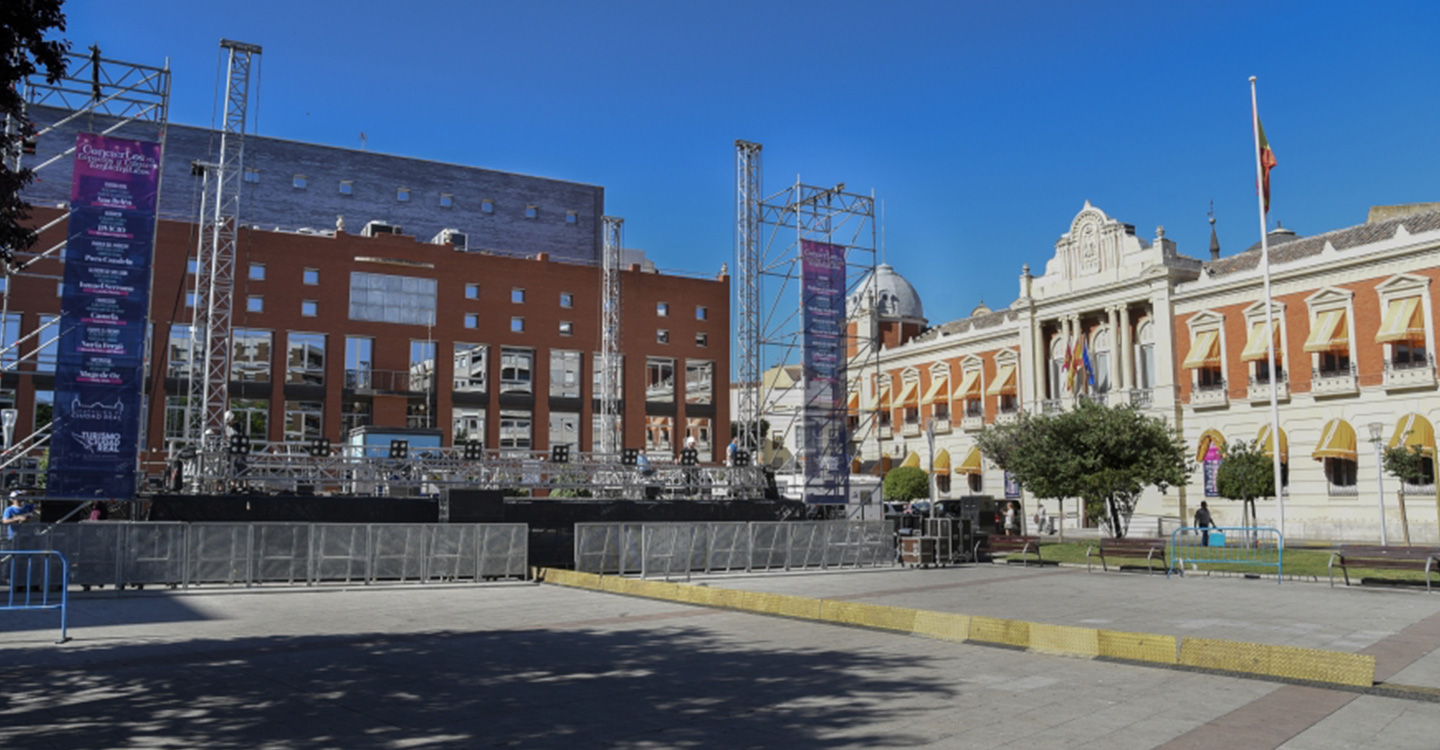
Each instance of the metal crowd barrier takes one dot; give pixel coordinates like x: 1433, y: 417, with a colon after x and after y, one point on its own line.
x: 1257, y: 546
x: 670, y: 549
x: 27, y: 591
x: 175, y: 554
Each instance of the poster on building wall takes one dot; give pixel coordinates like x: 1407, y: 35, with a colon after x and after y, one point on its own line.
x: 104, y: 311
x: 1212, y: 470
x: 822, y: 284
x: 1012, y: 486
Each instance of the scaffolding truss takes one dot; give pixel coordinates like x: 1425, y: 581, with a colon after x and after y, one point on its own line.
x: 611, y: 435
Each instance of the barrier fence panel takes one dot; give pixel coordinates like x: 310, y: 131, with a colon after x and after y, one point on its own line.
x: 769, y: 545
x: 668, y: 549
x: 218, y: 553
x: 340, y: 552
x: 504, y: 550
x: 35, y: 580
x: 154, y: 553
x: 451, y: 553
x: 1217, y: 547
x: 607, y: 548
x: 807, y: 546
x: 673, y: 548
x: 727, y: 546
x: 280, y: 553
x: 93, y: 550
x: 399, y: 553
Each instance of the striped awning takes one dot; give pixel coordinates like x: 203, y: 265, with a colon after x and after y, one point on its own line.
x: 969, y: 386
x: 1404, y: 321
x: 1268, y: 446
x: 1337, y: 440
x: 939, y: 390
x: 1329, y: 333
x: 911, y: 461
x: 852, y: 402
x: 942, y: 462
x: 884, y: 404
x: 1204, y: 351
x: 1207, y: 439
x: 1413, y: 429
x: 971, y: 464
x: 1004, y: 382
x: 1258, y: 346
x: 909, y: 395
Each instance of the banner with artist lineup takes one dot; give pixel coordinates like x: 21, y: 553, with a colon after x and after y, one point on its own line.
x: 104, y: 313
x: 822, y: 281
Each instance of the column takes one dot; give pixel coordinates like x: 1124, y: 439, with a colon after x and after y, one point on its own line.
x: 1127, y: 349
x: 1113, y: 311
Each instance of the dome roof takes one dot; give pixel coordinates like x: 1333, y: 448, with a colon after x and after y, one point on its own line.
x: 894, y: 296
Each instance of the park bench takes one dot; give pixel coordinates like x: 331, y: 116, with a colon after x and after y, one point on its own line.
x: 1149, y: 549
x: 996, y: 544
x: 1423, y: 559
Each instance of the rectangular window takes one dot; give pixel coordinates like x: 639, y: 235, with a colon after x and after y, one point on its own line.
x: 564, y: 374
x: 515, y: 430
x: 659, y: 435
x: 517, y: 296
x: 487, y: 206
x: 347, y: 187
x: 250, y: 356
x: 355, y: 414
x: 177, y: 355
x: 567, y: 300
x: 472, y: 320
x: 175, y: 417
x: 305, y: 358
x: 253, y: 414
x: 191, y: 266
x: 44, y: 408
x: 472, y: 291
x: 300, y: 182
x: 310, y: 277
x: 48, y: 342
x: 702, y: 339
x: 597, y: 431
x: 699, y: 382
x: 517, y: 325
x: 447, y: 200
x: 567, y: 328
x: 565, y: 429
x: 358, y: 351
x: 385, y: 298
x: 309, y: 308
x: 422, y: 365
x: 304, y: 420
x: 572, y: 217
x: 660, y: 380
x: 467, y: 423
x: 597, y: 375
x: 531, y: 212
x: 417, y: 414
x: 516, y: 366
x: 662, y: 336
x: 255, y: 303
x: 252, y: 176
x: 471, y: 362
x: 700, y: 429
x: 702, y: 312
x: 402, y: 195
x: 257, y: 271
x: 662, y: 309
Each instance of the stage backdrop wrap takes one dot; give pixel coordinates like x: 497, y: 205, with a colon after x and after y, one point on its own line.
x: 822, y: 281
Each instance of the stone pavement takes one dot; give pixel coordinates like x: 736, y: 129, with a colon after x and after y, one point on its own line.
x: 544, y: 666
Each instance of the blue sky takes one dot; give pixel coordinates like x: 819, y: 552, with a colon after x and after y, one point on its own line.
x: 982, y: 126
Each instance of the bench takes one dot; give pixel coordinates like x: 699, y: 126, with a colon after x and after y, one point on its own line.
x: 1025, y: 545
x: 1150, y: 549
x: 1423, y: 559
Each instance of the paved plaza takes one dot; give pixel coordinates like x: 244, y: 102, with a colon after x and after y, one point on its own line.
x: 526, y: 665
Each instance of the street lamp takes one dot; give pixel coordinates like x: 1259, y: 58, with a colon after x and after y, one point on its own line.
x: 1376, y: 430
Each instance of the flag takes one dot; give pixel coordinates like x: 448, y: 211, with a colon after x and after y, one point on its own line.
x: 1074, y: 365
x: 1267, y: 161
x: 1085, y: 357
x: 1066, y: 367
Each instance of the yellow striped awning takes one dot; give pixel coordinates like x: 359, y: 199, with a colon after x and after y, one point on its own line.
x: 942, y: 462
x: 911, y: 461
x: 909, y: 395
x: 939, y: 390
x: 1404, y: 321
x: 1329, y: 333
x: 1413, y: 429
x: 1004, y: 381
x: 852, y: 403
x: 1268, y: 446
x: 884, y: 404
x: 969, y: 386
x: 1337, y: 440
x: 1257, y: 347
x: 1207, y: 439
x: 1204, y: 351
x: 971, y: 464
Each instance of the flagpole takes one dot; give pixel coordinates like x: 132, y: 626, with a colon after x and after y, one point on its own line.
x: 1269, y: 313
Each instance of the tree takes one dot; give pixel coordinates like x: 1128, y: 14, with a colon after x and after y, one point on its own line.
x: 1245, y: 474
x: 1106, y: 456
x: 907, y: 483
x: 24, y: 50
x: 1409, y: 464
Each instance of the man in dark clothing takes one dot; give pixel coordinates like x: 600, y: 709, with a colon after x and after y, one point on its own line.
x: 1203, y: 521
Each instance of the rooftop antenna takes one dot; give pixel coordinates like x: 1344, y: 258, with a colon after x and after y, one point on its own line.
x: 362, y: 140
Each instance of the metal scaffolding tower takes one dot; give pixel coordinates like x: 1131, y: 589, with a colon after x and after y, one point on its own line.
x: 215, y: 256
x: 610, y: 371
x: 747, y: 265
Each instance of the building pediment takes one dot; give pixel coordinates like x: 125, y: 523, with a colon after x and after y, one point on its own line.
x: 1099, y: 250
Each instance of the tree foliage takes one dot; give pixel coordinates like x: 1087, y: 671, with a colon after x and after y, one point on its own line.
x: 1406, y: 462
x: 1245, y: 474
x: 1106, y: 456
x: 907, y: 483
x: 24, y: 50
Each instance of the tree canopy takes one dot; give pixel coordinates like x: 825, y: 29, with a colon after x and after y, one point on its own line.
x: 1106, y: 456
x: 906, y: 483
x: 1245, y: 474
x: 24, y: 50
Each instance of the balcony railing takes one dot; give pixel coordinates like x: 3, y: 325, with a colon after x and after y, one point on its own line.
x: 1210, y: 394
x: 910, y: 429
x: 1260, y: 386
x: 1142, y: 398
x: 942, y: 424
x: 972, y: 423
x: 1412, y: 374
x: 401, y: 381
x: 1344, y: 490
x: 1334, y: 380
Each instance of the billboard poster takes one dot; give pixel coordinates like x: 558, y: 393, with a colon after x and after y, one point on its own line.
x: 1212, y: 470
x: 1012, y: 486
x: 822, y: 284
x: 104, y: 312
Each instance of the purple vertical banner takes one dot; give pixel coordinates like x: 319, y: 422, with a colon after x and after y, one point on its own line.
x: 104, y: 313
x: 1211, y: 466
x: 822, y: 281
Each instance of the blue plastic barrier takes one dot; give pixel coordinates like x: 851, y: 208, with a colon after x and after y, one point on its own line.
x: 29, y: 588
x: 1259, y: 546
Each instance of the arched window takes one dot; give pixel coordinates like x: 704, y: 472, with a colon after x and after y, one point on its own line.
x: 1057, y: 363
x: 1145, y: 356
x: 1100, y: 360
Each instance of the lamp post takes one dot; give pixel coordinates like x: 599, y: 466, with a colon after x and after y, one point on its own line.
x: 1376, y: 429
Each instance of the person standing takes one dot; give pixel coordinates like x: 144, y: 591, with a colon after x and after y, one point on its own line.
x: 1012, y: 519
x: 15, y: 514
x: 730, y: 452
x: 1204, y: 522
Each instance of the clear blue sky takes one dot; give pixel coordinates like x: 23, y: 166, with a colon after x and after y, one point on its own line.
x: 983, y: 126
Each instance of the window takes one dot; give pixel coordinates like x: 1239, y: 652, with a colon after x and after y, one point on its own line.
x: 48, y: 341
x: 422, y: 365
x: 385, y: 298
x: 191, y: 266
x: 300, y: 182
x: 1258, y: 343
x: 402, y: 195
x: 702, y: 339
x: 175, y: 417
x: 310, y: 277
x: 1100, y: 358
x: 472, y: 291
x: 597, y: 369
x: 1341, y: 474
x: 304, y: 420
x: 252, y: 176
x: 597, y: 431
x: 564, y: 374
x: 305, y: 358
x: 567, y: 328
x: 257, y: 271
x: 702, y: 312
x: 531, y: 212
x: 253, y: 414
x: 516, y: 367
x: 255, y: 303
x: 1058, y: 369
x: 565, y: 429
x: 659, y: 433
x: 467, y: 423
x: 358, y: 350
x: 662, y: 309
x: 309, y: 308
x: 487, y: 206
x: 700, y: 429
x: 347, y: 187
x: 447, y: 200
x: 189, y: 299
x: 356, y: 414
x: 1145, y: 356
x: 515, y: 431
x: 472, y: 320
x: 417, y: 414
x: 662, y: 336
x: 976, y: 482
x: 699, y: 382
x: 250, y: 356
x: 571, y: 217
x: 660, y: 380
x: 471, y: 361
x: 177, y: 356
x: 517, y: 296
x: 1206, y: 355
x: 44, y: 408
x: 567, y: 300
x: 517, y: 325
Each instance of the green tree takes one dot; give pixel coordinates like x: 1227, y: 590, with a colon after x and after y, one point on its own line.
x: 1106, y: 456
x: 24, y: 50
x: 1245, y: 474
x: 907, y: 483
x: 1409, y: 464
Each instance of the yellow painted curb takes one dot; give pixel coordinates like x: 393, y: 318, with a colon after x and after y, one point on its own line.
x: 944, y: 626
x: 1289, y: 662
x: 1064, y: 640
x: 1003, y: 632
x: 1116, y: 644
